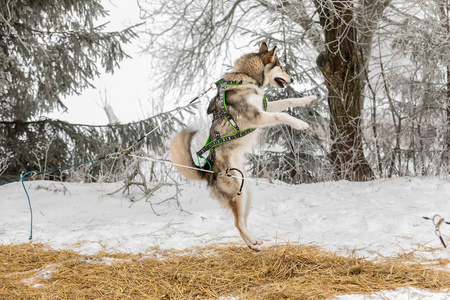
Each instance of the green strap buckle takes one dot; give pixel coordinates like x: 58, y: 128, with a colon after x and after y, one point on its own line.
x: 220, y: 81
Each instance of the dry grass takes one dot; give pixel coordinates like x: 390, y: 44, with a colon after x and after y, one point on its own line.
x: 33, y: 271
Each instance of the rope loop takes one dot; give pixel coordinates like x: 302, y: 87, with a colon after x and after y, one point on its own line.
x: 437, y: 222
x: 211, y: 87
x: 227, y: 172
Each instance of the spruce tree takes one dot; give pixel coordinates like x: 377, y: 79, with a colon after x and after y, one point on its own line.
x: 49, y: 49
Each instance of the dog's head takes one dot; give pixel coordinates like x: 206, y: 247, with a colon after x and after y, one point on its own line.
x: 273, y: 69
x: 264, y: 66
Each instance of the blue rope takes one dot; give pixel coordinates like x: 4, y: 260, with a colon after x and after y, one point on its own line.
x: 39, y: 173
x: 49, y: 171
x: 8, y: 181
x: 29, y: 202
x: 71, y: 166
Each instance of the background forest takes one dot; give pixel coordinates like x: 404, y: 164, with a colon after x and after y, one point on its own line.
x: 381, y: 70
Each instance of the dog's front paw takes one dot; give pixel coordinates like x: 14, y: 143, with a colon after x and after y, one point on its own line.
x: 300, y: 125
x: 303, y: 101
x: 309, y: 99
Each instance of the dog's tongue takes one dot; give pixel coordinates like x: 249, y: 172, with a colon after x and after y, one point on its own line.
x: 281, y: 81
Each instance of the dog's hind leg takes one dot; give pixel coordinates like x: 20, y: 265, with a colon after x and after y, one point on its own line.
x: 225, y: 190
x: 240, y: 206
x: 248, y: 205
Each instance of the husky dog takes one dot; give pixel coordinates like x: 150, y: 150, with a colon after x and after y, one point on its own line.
x: 245, y: 102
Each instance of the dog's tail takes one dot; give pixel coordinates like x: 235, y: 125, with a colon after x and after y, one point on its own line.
x: 182, y: 158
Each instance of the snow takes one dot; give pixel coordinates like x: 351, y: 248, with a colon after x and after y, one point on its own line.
x: 382, y: 217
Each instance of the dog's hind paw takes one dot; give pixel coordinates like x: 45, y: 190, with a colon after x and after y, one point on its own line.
x: 255, y: 245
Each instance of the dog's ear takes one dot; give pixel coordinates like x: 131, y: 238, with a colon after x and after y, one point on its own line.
x: 263, y: 47
x: 270, y: 56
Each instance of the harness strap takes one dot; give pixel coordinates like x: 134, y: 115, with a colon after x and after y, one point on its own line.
x: 221, y: 87
x: 222, y: 84
x: 209, y: 145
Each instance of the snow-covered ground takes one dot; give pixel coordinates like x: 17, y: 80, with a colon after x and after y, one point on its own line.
x: 382, y: 217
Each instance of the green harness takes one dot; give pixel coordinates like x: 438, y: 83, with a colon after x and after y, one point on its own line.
x: 222, y: 85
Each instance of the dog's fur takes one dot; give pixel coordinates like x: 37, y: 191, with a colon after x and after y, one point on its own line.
x: 245, y: 104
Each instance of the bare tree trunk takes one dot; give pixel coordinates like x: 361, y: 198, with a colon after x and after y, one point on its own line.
x: 446, y: 157
x: 374, y: 128
x: 445, y: 21
x: 396, y: 154
x: 421, y: 150
x: 113, y: 119
x: 342, y: 69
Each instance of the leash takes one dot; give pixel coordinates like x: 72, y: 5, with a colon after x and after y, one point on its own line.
x: 126, y: 151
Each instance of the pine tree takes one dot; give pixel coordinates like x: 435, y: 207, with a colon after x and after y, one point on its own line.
x: 49, y: 49
x: 47, y: 144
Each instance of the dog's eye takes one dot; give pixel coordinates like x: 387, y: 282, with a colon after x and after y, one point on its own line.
x: 278, y: 63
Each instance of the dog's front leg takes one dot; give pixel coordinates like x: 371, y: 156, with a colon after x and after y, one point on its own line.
x: 272, y: 118
x: 280, y: 105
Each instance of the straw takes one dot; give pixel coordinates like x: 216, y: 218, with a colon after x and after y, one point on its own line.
x: 30, y: 271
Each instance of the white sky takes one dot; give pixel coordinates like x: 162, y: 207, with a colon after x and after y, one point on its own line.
x: 126, y: 89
